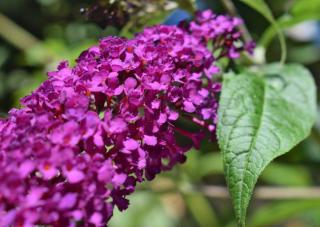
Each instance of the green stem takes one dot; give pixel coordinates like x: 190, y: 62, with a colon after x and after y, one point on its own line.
x: 262, y: 7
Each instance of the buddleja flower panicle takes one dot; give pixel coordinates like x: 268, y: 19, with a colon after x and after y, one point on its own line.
x: 90, y: 133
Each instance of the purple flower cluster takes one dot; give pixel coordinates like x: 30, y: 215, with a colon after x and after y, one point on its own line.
x: 222, y: 32
x: 90, y: 133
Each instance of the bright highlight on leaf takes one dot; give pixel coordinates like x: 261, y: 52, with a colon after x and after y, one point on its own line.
x: 261, y: 118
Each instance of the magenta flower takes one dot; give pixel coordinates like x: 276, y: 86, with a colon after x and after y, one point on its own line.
x: 90, y: 133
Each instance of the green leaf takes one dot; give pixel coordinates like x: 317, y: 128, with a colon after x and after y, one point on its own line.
x: 261, y: 118
x: 262, y: 7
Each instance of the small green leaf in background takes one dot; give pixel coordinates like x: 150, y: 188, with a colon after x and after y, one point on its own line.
x: 261, y: 118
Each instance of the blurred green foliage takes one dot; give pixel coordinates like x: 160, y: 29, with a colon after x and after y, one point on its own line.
x: 36, y: 34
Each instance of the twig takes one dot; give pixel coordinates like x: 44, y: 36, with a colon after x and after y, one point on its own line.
x: 267, y: 193
x: 166, y: 185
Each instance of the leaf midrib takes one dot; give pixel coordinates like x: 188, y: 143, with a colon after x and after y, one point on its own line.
x: 252, y: 145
